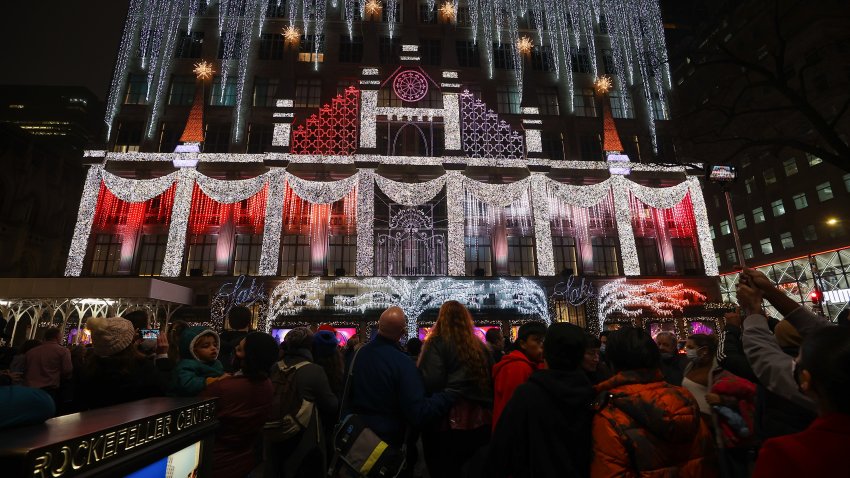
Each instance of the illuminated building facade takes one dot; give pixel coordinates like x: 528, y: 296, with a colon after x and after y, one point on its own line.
x: 405, y: 153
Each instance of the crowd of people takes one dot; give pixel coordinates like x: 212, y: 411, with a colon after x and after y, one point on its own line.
x: 767, y: 398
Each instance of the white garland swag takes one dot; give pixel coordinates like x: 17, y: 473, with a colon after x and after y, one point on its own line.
x: 230, y: 191
x: 411, y: 194
x: 321, y: 192
x: 497, y: 195
x: 137, y: 190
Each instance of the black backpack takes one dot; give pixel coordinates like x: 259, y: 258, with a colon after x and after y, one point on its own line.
x: 290, y: 413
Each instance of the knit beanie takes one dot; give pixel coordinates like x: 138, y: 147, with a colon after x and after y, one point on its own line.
x: 786, y: 335
x: 298, y: 338
x: 564, y: 346
x: 325, y: 343
x: 110, y: 336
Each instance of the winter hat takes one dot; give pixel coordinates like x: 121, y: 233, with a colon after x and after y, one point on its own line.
x: 786, y: 335
x: 298, y: 338
x: 110, y: 336
x: 563, y: 347
x: 190, y: 336
x: 325, y: 343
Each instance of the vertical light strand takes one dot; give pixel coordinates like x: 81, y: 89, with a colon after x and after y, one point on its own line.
x: 85, y: 217
x: 706, y: 246
x: 542, y: 225
x: 272, y: 227
x: 454, y: 204
x: 365, y: 223
x: 622, y: 212
x: 125, y: 52
x: 176, y: 244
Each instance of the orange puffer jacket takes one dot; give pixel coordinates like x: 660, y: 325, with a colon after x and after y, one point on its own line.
x: 649, y: 428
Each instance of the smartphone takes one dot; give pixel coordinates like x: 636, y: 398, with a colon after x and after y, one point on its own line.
x: 150, y: 334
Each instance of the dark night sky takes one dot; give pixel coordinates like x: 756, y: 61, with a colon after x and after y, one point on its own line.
x: 61, y: 42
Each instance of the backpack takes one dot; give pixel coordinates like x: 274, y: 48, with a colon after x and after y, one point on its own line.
x: 290, y: 413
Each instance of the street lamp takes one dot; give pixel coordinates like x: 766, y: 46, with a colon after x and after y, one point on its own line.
x: 724, y: 175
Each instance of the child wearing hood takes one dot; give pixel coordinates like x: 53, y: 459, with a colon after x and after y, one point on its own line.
x: 198, y: 365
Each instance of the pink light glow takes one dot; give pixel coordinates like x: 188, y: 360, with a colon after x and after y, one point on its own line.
x: 207, y: 212
x: 480, y: 332
x: 114, y: 215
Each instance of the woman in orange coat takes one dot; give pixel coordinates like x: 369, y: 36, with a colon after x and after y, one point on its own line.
x: 645, y: 426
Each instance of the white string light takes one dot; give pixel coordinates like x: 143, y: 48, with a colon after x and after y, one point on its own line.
x: 631, y: 299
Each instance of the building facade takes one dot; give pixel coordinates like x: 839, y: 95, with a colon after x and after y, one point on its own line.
x: 775, y: 115
x: 344, y: 157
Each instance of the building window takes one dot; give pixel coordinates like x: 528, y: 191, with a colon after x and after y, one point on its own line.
x: 750, y: 183
x: 809, y: 233
x: 580, y: 60
x: 584, y: 103
x: 477, y: 256
x: 824, y: 191
x: 731, y: 256
x: 747, y: 249
x: 813, y: 160
x: 308, y: 93
x: 295, y: 256
x: 276, y: 9
x: 503, y: 56
x: 106, y: 255
x: 182, y: 91
x: 189, y: 45
x: 590, y: 147
x: 837, y: 230
x: 223, y: 96
x: 247, y: 259
x: 711, y: 231
x: 217, y: 138
x: 659, y: 107
x: 463, y: 17
x: 724, y: 228
x: 521, y: 256
x: 312, y: 49
x: 846, y: 179
x: 152, y: 254
x: 787, y: 240
x: 542, y: 59
x: 201, y: 255
x: 717, y: 258
x: 265, y: 90
x: 431, y: 52
x: 647, y: 253
x: 507, y: 100
x: 467, y: 54
x: 758, y: 215
x: 427, y: 15
x: 137, y: 90
x: 777, y: 208
x: 604, y: 256
x: 547, y: 100
x: 790, y: 166
x: 608, y: 62
x: 350, y: 49
x: 259, y: 138
x: 229, y: 54
x: 741, y: 221
x: 621, y: 105
x: 766, y: 246
x: 552, y: 145
x: 389, y: 50
x: 342, y: 255
x: 385, y: 13
x: 800, y: 201
x: 565, y: 255
x: 271, y: 46
x: 685, y: 256
x: 769, y: 176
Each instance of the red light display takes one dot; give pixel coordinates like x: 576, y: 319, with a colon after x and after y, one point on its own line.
x: 333, y: 131
x: 207, y: 212
x: 114, y: 215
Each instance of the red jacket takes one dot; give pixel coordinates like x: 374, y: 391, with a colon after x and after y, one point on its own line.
x: 815, y: 451
x: 508, y: 374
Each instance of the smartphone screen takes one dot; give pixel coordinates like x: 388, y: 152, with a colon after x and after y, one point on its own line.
x: 150, y: 334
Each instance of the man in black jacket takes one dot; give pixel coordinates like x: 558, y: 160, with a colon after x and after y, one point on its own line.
x: 545, y: 430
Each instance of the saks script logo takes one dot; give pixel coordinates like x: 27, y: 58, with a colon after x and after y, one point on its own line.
x: 241, y: 293
x: 574, y: 291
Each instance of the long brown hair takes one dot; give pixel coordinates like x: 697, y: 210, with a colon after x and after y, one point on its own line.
x: 454, y: 325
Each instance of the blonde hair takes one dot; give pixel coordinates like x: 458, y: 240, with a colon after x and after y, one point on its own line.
x: 454, y: 325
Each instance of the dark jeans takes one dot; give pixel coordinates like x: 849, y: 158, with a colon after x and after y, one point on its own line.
x: 447, y: 451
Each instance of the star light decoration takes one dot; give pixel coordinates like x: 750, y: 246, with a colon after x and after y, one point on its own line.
x: 603, y: 85
x: 373, y: 8
x: 524, y: 45
x: 632, y: 300
x: 447, y: 11
x: 292, y: 35
x: 203, y: 70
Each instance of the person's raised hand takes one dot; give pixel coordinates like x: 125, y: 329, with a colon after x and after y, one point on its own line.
x: 749, y: 298
x: 756, y: 279
x: 733, y: 318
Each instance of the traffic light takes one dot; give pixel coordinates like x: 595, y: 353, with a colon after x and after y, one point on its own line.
x: 815, y: 296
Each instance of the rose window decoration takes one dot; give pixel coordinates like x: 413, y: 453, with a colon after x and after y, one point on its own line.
x: 410, y: 86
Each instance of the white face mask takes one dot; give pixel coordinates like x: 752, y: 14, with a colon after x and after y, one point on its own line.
x: 692, y: 354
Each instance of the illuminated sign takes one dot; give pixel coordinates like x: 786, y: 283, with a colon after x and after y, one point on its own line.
x: 619, y: 164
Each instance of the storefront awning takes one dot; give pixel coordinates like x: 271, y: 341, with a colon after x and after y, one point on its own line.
x: 95, y: 288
